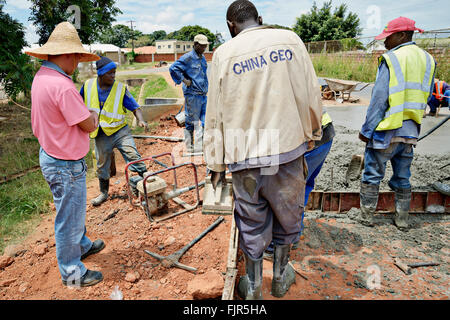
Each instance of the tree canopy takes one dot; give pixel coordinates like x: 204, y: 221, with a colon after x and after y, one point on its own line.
x: 326, y: 24
x: 188, y: 33
x: 16, y: 71
x: 119, y: 35
x: 95, y: 17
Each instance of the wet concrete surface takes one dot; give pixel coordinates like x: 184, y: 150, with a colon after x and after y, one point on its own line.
x: 437, y: 143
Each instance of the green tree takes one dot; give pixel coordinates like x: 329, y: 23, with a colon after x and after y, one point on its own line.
x: 119, y: 35
x: 157, y: 35
x: 188, y: 33
x: 95, y: 17
x: 277, y: 26
x: 325, y: 24
x: 12, y: 36
x: 16, y: 70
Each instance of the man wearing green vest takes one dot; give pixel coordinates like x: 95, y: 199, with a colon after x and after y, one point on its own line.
x: 111, y: 100
x: 399, y: 98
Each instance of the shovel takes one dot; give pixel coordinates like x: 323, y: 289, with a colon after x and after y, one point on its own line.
x: 355, y: 168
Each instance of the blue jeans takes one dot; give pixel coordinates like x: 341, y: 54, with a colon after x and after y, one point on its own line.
x: 401, y: 156
x: 195, y: 110
x: 67, y: 181
x: 124, y: 142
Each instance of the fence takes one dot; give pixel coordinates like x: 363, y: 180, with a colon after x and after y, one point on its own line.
x: 356, y: 59
x: 437, y: 40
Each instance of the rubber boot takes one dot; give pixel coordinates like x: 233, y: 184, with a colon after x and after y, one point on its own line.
x: 198, y: 140
x: 104, y: 188
x: 368, y: 196
x: 402, y: 205
x: 283, y: 273
x: 188, y: 139
x: 250, y: 285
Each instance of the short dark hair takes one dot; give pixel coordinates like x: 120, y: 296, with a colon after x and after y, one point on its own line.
x: 241, y: 11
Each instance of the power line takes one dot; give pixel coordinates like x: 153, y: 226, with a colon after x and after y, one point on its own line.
x: 132, y: 33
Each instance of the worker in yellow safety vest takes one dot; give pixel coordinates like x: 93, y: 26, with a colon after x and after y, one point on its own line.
x: 111, y: 100
x: 402, y: 90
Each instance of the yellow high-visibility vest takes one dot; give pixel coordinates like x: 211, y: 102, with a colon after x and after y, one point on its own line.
x: 411, y: 71
x: 326, y: 119
x: 112, y: 116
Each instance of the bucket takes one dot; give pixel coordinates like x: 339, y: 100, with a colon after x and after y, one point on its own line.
x: 180, y: 119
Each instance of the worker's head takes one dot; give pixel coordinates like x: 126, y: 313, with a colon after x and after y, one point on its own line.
x: 397, y: 32
x: 200, y: 43
x: 397, y: 39
x: 240, y: 15
x: 106, y: 71
x: 67, y: 62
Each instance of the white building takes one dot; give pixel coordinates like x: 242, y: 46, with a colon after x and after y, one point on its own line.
x: 174, y: 46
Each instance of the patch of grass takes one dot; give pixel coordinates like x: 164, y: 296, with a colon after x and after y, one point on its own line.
x: 21, y: 203
x: 136, y: 66
x: 157, y: 86
x: 361, y: 68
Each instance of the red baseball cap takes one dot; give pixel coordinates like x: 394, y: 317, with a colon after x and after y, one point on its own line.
x: 398, y: 25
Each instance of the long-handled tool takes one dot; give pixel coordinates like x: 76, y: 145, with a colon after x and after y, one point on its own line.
x: 173, y: 259
x: 434, y: 129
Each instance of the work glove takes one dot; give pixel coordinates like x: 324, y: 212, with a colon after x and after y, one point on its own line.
x: 216, y: 177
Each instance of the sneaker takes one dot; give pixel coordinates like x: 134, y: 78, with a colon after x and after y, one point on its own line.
x: 97, y: 246
x: 90, y: 278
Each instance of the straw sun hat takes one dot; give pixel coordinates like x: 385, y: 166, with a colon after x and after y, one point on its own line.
x: 63, y: 40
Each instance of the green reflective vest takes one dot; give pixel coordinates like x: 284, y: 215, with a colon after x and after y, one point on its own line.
x: 112, y: 116
x: 411, y: 71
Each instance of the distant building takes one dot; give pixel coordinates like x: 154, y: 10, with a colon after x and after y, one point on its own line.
x: 375, y: 46
x: 174, y: 46
x: 110, y: 51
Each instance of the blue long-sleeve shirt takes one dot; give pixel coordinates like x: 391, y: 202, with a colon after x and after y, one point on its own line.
x: 379, y: 104
x: 128, y: 100
x: 192, y: 67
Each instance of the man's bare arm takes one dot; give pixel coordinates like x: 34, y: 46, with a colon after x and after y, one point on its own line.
x: 90, y: 124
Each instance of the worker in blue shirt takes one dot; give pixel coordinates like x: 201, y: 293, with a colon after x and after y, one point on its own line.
x: 111, y: 100
x: 190, y: 70
x: 402, y: 90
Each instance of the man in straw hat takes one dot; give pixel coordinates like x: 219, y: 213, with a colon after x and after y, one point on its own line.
x: 399, y: 98
x: 190, y: 70
x: 62, y: 123
x: 111, y: 100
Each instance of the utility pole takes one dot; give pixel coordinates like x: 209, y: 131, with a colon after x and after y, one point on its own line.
x: 132, y: 33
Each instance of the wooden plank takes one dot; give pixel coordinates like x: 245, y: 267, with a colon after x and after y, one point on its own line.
x: 230, y: 278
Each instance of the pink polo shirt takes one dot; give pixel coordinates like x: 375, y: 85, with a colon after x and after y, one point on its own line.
x: 56, y: 109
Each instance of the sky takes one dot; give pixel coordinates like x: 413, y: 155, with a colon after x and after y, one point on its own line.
x: 171, y: 15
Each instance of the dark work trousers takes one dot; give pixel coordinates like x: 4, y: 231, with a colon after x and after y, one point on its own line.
x: 269, y: 207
